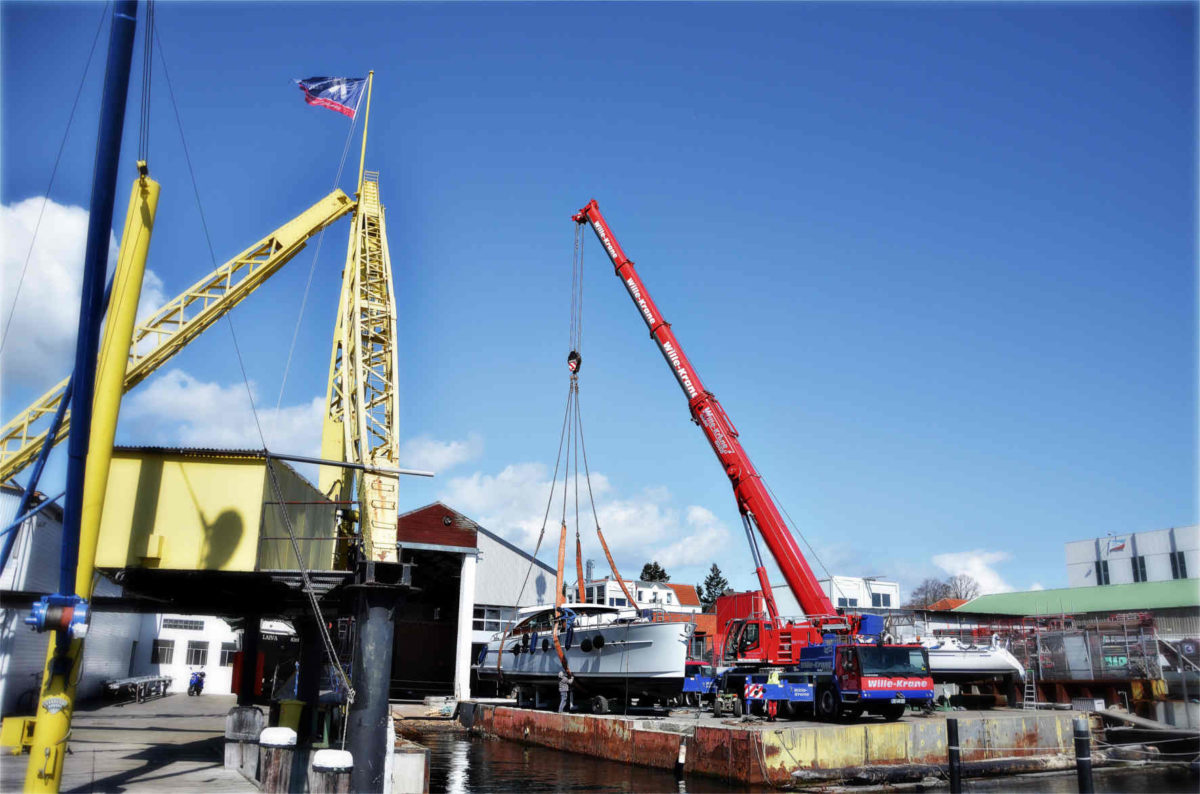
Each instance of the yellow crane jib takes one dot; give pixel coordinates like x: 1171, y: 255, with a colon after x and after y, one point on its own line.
x: 180, y: 321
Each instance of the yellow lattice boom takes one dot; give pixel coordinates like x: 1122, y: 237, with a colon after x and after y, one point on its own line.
x: 180, y: 321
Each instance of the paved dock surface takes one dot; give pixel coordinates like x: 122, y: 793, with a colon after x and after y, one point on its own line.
x: 174, y: 743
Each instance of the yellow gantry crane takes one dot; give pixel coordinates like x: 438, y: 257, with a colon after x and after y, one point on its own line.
x: 362, y: 406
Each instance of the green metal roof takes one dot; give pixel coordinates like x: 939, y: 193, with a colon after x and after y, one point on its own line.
x: 1102, y: 598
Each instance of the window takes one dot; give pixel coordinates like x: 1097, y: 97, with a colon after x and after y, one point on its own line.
x: 1178, y: 565
x: 641, y: 596
x: 197, y: 653
x: 847, y: 602
x: 881, y: 599
x: 228, y: 649
x: 162, y: 652
x: 1101, y: 571
x: 618, y: 602
x: 491, y: 619
x: 1139, y: 568
x: 841, y: 602
x: 186, y: 625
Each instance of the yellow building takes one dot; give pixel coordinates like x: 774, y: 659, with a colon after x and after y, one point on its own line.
x: 211, y: 510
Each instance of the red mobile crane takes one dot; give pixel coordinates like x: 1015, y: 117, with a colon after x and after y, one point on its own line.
x: 832, y: 670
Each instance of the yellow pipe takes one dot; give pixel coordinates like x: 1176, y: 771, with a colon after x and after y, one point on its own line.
x: 362, y: 158
x: 61, y: 674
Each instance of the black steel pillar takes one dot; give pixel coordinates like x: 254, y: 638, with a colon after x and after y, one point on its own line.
x: 1083, y: 755
x: 312, y: 660
x: 371, y: 677
x: 955, y: 762
x: 247, y: 682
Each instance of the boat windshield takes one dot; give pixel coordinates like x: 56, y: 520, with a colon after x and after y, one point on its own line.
x: 892, y: 661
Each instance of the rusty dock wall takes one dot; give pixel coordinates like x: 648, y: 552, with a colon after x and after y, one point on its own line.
x: 783, y: 754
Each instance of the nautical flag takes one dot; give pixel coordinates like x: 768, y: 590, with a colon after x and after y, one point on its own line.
x: 336, y: 93
x: 1116, y: 544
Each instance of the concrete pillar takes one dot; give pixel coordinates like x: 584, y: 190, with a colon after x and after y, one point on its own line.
x: 245, y: 686
x: 466, y: 617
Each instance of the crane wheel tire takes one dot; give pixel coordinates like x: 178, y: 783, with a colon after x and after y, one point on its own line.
x: 894, y: 712
x: 718, y: 711
x: 737, y: 708
x: 599, y: 704
x: 828, y: 704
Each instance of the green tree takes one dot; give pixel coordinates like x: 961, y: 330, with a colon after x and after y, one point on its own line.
x: 653, y: 572
x: 714, y: 585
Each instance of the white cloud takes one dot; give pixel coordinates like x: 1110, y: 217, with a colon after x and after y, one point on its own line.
x: 41, y: 339
x: 178, y: 409
x: 978, y: 565
x: 638, y: 527
x: 1037, y: 586
x: 424, y: 452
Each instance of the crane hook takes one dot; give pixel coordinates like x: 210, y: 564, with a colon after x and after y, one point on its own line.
x: 574, y: 361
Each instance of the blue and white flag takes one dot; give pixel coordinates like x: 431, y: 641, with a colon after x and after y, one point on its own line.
x: 336, y: 93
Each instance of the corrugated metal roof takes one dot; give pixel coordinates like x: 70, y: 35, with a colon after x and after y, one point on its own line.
x: 1077, y: 600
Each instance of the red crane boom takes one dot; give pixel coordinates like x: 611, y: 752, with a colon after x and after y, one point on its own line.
x: 753, y: 499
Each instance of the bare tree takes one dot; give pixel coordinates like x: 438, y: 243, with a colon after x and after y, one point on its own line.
x: 927, y: 592
x: 962, y: 586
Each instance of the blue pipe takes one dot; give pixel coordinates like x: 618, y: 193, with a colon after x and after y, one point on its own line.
x: 21, y: 519
x: 100, y: 215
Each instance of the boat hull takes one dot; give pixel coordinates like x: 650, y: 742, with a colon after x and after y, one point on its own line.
x: 633, y: 660
x: 964, y: 664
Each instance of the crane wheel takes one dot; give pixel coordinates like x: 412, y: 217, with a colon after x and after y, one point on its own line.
x: 828, y: 705
x: 599, y: 704
x: 737, y: 708
x: 894, y: 712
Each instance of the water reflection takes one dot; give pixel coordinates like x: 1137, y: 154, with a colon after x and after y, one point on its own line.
x: 462, y: 765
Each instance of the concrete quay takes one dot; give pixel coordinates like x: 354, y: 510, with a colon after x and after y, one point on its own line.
x: 173, y: 743
x: 788, y: 754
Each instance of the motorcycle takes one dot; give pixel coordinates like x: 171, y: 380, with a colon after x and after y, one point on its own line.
x: 196, y: 683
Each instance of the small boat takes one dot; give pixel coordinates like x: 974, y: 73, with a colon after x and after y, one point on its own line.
x: 614, y: 653
x: 952, y: 661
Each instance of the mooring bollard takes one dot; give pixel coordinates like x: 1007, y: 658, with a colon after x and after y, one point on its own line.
x: 330, y: 773
x: 276, y: 748
x: 1083, y: 754
x: 954, y: 758
x: 243, y: 724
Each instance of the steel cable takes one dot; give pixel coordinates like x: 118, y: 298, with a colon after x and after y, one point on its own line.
x: 53, y: 172
x: 318, y: 615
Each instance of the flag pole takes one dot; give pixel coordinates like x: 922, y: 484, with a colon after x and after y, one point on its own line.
x: 362, y: 159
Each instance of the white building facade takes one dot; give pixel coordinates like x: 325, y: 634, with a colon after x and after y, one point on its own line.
x: 1156, y: 556
x: 650, y: 595
x: 844, y: 592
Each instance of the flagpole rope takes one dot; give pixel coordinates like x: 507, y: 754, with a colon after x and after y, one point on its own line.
x: 53, y: 172
x: 312, y: 268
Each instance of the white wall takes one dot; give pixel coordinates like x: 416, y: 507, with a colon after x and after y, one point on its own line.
x: 1155, y: 546
x: 499, y: 573
x: 218, y: 679
x: 33, y: 566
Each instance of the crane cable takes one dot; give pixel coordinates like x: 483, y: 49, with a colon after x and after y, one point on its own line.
x: 12, y: 309
x: 306, y: 581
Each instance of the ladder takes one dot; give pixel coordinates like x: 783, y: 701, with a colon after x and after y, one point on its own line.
x: 1029, y: 699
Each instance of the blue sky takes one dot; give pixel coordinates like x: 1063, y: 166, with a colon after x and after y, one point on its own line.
x: 938, y: 261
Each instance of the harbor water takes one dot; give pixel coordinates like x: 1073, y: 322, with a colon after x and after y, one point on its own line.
x: 461, y: 764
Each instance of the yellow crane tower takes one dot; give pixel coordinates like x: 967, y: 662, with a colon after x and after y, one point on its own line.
x: 362, y: 403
